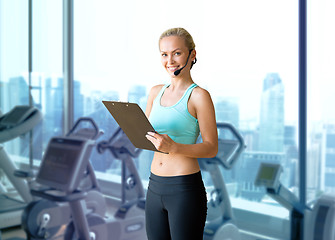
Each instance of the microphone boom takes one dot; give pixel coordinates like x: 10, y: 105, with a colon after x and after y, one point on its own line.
x: 176, y: 73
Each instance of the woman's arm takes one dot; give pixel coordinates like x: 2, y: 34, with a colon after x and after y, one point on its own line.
x: 200, y: 103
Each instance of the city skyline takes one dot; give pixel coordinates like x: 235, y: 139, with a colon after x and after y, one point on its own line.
x: 231, y: 62
x: 227, y: 110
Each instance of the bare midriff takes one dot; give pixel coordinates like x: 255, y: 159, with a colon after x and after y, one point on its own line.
x: 173, y: 165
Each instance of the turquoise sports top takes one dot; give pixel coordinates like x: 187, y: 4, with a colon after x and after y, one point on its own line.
x: 175, y: 121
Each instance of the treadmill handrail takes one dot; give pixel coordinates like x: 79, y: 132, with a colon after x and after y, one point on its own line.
x: 89, y: 120
x: 240, y: 148
x: 11, y: 132
x: 115, y: 148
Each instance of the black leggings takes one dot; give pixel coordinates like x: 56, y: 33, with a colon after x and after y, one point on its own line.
x: 176, y: 207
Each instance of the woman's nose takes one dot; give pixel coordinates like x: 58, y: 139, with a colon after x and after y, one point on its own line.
x: 170, y: 59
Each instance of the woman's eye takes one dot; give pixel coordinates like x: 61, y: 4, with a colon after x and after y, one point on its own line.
x: 177, y: 53
x: 164, y: 54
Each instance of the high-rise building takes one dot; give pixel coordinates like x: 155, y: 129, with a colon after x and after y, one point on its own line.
x: 291, y: 156
x: 227, y: 110
x: 137, y: 94
x: 78, y: 98
x: 329, y: 159
x: 290, y: 135
x: 250, y: 139
x: 321, y: 160
x: 53, y: 108
x: 313, y: 165
x: 271, y: 127
x: 19, y: 92
x: 54, y: 105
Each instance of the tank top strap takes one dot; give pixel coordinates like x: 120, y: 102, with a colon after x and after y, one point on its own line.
x: 160, y: 93
x: 181, y: 107
x: 187, y: 94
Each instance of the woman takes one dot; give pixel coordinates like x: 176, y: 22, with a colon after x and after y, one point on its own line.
x: 176, y: 204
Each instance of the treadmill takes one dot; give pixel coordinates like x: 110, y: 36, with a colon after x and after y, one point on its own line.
x: 20, y: 120
x: 220, y: 221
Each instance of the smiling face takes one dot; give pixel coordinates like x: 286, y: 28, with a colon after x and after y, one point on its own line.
x: 174, y: 53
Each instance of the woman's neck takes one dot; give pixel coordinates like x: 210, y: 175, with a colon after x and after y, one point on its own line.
x: 181, y: 82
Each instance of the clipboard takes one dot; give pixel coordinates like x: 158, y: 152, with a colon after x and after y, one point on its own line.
x: 133, y: 122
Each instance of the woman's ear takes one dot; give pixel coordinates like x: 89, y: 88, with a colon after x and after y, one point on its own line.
x: 193, y: 55
x: 193, y: 58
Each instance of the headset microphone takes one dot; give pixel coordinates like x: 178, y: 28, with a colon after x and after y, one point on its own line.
x: 176, y: 73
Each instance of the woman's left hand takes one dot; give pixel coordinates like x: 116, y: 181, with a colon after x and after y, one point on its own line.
x: 162, y: 142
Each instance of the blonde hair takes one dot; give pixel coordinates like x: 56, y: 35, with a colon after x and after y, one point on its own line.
x: 180, y: 32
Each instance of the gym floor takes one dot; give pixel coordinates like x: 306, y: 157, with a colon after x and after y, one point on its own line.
x: 12, y: 233
x: 17, y: 233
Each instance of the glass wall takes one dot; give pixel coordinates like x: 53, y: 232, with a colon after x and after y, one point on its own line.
x: 47, y: 65
x: 14, y: 62
x: 14, y: 88
x: 321, y: 85
x: 247, y: 55
x: 46, y: 88
x: 42, y: 84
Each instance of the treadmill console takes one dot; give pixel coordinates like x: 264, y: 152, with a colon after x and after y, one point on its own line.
x: 64, y: 163
x: 17, y: 115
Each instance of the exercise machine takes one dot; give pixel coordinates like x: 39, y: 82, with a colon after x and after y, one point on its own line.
x: 64, y: 164
x: 122, y: 149
x: 20, y: 120
x: 45, y: 218
x: 220, y: 223
x: 320, y: 221
x: 307, y: 223
x: 130, y: 214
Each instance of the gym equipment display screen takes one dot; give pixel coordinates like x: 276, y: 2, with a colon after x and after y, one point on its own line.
x: 268, y: 175
x: 59, y: 162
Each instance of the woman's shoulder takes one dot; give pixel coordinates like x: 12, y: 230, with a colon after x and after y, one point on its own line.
x: 200, y: 93
x: 155, y: 90
x: 200, y: 100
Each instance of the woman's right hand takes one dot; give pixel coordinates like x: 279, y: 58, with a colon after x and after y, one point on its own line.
x: 162, y: 142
